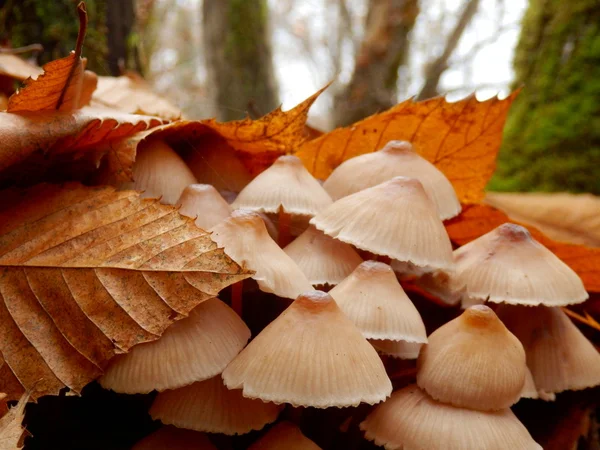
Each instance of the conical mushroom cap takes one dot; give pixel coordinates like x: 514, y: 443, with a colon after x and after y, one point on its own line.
x: 309, y: 356
x: 195, y: 348
x: 286, y: 184
x: 397, y: 158
x: 411, y: 420
x: 397, y: 349
x: 374, y: 300
x: 284, y: 436
x: 395, y: 219
x: 174, y: 439
x: 323, y: 260
x: 160, y: 172
x: 219, y: 166
x: 203, y: 202
x: 245, y: 239
x: 529, y: 389
x: 558, y: 354
x: 209, y: 406
x: 473, y: 362
x: 507, y: 265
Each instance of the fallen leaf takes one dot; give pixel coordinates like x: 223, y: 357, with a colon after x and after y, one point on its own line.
x: 86, y: 273
x: 476, y: 220
x: 11, y: 429
x: 15, y: 68
x: 130, y: 93
x: 462, y: 139
x: 258, y: 142
x: 562, y: 216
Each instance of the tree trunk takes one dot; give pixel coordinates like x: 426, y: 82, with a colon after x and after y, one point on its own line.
x: 383, y: 50
x: 552, y: 137
x: 239, y: 61
x: 119, y: 21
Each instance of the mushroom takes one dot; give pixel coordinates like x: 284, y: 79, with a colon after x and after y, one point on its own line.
x: 284, y: 436
x: 394, y: 219
x: 286, y: 188
x: 473, y: 362
x: 203, y: 202
x: 397, y: 349
x: 411, y: 420
x: 529, y: 389
x: 324, y: 260
x: 175, y: 439
x: 507, y: 265
x: 311, y: 355
x: 558, y: 354
x: 396, y: 158
x: 160, y: 172
x: 209, y: 406
x: 195, y: 348
x: 374, y: 300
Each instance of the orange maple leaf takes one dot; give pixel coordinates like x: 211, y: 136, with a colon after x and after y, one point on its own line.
x: 462, y: 139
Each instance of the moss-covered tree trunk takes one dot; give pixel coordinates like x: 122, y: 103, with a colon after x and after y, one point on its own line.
x: 238, y: 55
x: 552, y: 137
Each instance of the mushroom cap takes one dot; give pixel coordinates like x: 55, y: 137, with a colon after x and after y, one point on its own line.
x: 374, y: 300
x: 507, y: 265
x: 395, y: 219
x: 218, y: 165
x: 529, y: 389
x: 473, y: 362
x: 175, y: 439
x: 287, y: 185
x: 209, y: 406
x: 284, y: 436
x: 396, y: 158
x: 411, y: 420
x: 558, y: 354
x: 397, y: 349
x: 203, y: 202
x: 321, y: 258
x: 195, y: 348
x: 444, y: 285
x: 311, y: 355
x: 160, y: 172
x: 245, y: 239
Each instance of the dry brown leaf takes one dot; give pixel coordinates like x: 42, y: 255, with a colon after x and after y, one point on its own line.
x: 86, y: 273
x: 476, y: 220
x: 11, y: 429
x: 130, y: 93
x: 564, y: 217
x: 259, y: 142
x: 11, y: 66
x: 462, y: 139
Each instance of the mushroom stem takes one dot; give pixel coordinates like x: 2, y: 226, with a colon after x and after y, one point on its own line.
x: 284, y: 228
x: 236, y: 297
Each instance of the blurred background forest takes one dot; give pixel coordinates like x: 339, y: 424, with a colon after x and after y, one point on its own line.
x: 230, y: 58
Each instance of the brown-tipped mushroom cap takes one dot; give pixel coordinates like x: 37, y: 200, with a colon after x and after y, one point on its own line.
x: 397, y: 349
x: 558, y: 354
x: 195, y: 348
x: 473, y: 362
x: 203, y: 202
x: 323, y: 260
x: 160, y: 172
x: 284, y: 436
x: 175, y: 439
x: 245, y: 239
x: 311, y: 355
x: 507, y: 265
x: 410, y: 420
x: 374, y: 300
x: 395, y: 219
x: 219, y: 166
x: 397, y: 158
x: 209, y: 406
x: 286, y: 184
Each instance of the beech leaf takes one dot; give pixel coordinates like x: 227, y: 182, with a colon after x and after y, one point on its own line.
x: 462, y: 139
x: 86, y: 273
x: 15, y: 68
x: 11, y: 429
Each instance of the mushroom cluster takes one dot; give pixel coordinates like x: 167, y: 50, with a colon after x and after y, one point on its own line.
x: 337, y: 250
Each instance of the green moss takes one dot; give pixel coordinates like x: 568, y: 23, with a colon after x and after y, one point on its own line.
x: 552, y: 136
